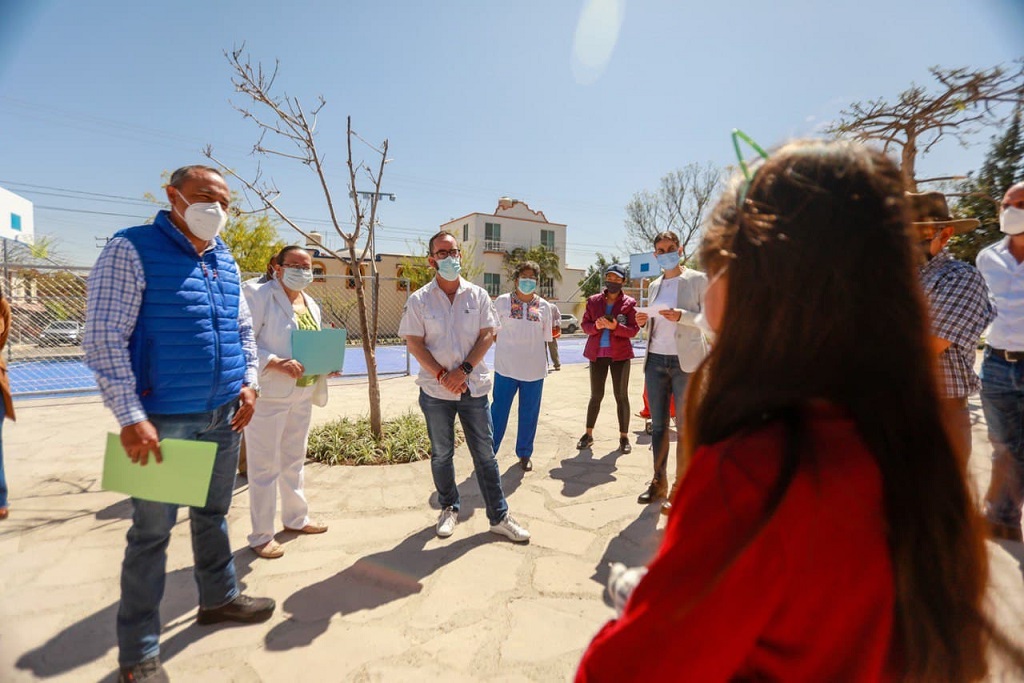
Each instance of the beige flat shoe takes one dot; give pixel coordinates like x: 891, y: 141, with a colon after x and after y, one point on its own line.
x: 270, y: 550
x: 316, y: 528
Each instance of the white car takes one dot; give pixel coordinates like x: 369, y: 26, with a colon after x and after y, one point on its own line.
x: 569, y: 323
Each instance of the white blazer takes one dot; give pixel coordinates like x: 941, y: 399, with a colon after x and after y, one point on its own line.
x: 691, y: 346
x: 272, y: 323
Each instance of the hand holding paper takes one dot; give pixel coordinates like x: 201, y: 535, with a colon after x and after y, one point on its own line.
x: 182, y: 478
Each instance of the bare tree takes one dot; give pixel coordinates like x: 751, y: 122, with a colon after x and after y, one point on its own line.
x: 964, y: 101
x: 679, y: 205
x: 288, y: 124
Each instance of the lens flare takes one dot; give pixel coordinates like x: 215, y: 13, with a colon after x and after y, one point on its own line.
x: 597, y: 33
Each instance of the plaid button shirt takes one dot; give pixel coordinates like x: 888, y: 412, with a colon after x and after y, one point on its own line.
x: 960, y: 312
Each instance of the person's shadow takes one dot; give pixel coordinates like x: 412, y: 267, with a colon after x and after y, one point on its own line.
x: 634, y: 546
x: 470, y: 497
x: 371, y: 582
x: 95, y: 635
x: 583, y: 472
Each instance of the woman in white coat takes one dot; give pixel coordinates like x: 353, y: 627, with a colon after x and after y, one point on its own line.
x: 276, y: 437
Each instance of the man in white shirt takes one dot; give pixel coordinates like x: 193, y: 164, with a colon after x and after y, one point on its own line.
x: 448, y: 325
x: 1002, y: 372
x: 675, y: 347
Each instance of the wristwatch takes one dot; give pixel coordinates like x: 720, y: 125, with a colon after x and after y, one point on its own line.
x: 466, y: 367
x: 255, y: 387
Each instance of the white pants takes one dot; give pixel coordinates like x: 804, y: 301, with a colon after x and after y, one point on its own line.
x: 275, y: 443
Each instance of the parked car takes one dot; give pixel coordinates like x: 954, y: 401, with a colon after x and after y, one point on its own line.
x: 61, y: 332
x: 569, y: 323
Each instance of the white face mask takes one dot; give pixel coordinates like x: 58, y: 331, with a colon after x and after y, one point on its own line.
x: 1011, y: 220
x: 296, y: 279
x: 205, y: 220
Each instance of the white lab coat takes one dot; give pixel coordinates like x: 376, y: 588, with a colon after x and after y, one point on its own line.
x: 277, y: 436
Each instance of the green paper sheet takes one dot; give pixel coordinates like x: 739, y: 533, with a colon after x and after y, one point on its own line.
x: 321, y: 351
x: 183, y: 478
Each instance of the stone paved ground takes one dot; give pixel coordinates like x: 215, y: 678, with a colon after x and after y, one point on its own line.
x: 377, y: 598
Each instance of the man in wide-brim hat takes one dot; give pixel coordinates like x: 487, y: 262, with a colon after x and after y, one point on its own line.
x: 960, y: 310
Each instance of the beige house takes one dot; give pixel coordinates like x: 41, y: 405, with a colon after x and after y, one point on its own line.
x: 490, y: 236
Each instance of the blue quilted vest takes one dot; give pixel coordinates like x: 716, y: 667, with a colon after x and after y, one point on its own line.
x: 186, y: 350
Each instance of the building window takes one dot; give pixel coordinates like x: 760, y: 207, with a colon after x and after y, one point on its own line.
x: 547, y: 239
x: 492, y: 283
x: 350, y: 282
x: 465, y: 232
x: 15, y: 222
x: 319, y: 272
x: 547, y: 287
x: 492, y: 237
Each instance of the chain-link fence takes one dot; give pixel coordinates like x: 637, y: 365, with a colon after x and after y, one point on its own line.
x: 44, y: 350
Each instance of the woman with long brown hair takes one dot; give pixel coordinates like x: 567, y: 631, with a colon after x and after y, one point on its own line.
x: 823, y: 530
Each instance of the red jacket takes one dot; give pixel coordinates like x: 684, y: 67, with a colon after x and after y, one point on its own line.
x: 622, y: 348
x: 807, y: 597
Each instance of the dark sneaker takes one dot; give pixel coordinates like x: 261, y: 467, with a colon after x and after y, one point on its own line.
x: 242, y: 609
x: 624, y: 446
x: 655, y: 491
x: 526, y: 464
x: 147, y: 671
x: 586, y: 441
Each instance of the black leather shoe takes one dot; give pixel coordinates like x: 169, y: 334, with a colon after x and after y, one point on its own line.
x: 147, y: 671
x: 625, y: 446
x: 242, y: 609
x: 586, y: 441
x: 526, y: 464
x: 655, y: 491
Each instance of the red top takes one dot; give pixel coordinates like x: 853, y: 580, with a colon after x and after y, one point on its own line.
x: 621, y: 336
x: 808, y: 598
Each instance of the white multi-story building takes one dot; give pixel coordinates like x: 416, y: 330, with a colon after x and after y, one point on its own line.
x: 488, y: 237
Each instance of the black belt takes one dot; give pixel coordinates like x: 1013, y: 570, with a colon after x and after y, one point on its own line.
x: 1008, y: 356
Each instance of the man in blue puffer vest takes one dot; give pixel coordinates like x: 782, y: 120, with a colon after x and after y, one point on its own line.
x: 170, y: 339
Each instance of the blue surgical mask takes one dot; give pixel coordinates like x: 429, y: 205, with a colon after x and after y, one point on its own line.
x: 449, y: 268
x: 668, y: 260
x: 527, y: 285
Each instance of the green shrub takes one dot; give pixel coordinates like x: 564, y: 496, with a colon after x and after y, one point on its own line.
x: 348, y: 441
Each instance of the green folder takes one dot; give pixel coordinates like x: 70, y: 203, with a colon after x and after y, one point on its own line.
x: 320, y: 351
x: 183, y: 478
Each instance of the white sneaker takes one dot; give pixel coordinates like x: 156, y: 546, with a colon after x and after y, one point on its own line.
x: 446, y: 522
x: 511, y: 528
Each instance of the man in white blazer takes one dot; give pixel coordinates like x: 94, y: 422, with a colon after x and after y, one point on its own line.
x: 276, y: 438
x: 675, y: 347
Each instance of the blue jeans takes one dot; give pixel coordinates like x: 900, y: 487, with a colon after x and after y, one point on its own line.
x: 475, y: 416
x: 505, y: 389
x: 3, y: 480
x: 663, y: 380
x: 145, y: 561
x: 1002, y: 400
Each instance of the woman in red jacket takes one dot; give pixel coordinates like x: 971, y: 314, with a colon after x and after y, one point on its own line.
x: 823, y: 530
x: 610, y: 322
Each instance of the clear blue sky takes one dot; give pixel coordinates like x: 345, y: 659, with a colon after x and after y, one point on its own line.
x: 479, y: 99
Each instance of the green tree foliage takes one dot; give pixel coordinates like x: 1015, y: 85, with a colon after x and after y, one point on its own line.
x: 545, y: 258
x: 252, y: 240
x: 592, y: 280
x: 981, y: 194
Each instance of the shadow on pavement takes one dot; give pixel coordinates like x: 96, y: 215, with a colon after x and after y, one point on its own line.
x: 94, y: 636
x: 371, y: 582
x: 634, y: 546
x: 584, y: 472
